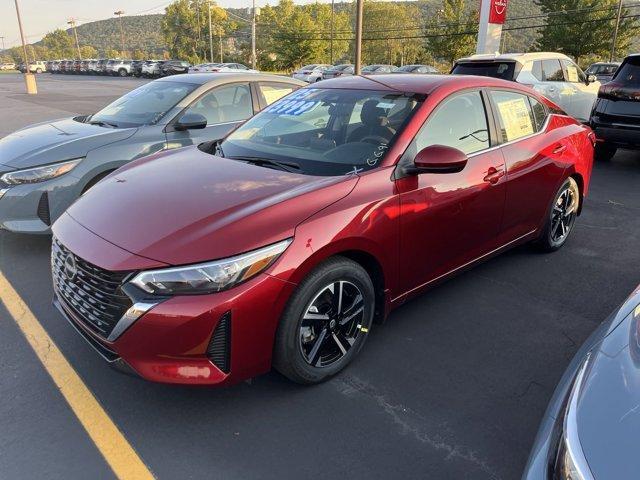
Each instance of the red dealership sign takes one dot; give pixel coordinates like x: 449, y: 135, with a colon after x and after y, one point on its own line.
x: 498, y: 11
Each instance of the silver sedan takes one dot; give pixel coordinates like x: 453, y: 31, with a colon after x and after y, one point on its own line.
x: 45, y: 167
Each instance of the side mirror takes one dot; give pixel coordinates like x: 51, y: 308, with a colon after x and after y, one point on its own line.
x: 440, y: 159
x: 591, y: 78
x: 191, y: 121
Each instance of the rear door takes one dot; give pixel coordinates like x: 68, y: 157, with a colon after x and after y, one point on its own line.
x: 583, y: 94
x: 551, y: 83
x: 533, y: 160
x: 224, y: 107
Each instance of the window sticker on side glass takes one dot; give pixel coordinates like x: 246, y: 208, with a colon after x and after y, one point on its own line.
x: 516, y: 118
x: 572, y: 73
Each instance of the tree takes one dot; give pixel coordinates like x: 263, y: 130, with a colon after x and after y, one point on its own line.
x: 112, y: 53
x: 383, y: 24
x: 60, y: 44
x: 87, y: 51
x: 584, y: 27
x: 452, y: 33
x: 185, y: 28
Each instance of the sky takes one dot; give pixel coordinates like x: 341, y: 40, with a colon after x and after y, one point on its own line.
x: 42, y: 16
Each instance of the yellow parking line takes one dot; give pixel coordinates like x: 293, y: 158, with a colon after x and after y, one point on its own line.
x: 114, y: 447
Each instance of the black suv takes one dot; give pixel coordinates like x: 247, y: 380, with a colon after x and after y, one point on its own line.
x: 173, y: 67
x: 616, y: 114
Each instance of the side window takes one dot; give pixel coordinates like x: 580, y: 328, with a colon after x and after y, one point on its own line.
x: 446, y: 126
x: 228, y: 103
x: 539, y: 113
x: 536, y: 70
x: 574, y: 72
x: 514, y: 114
x: 274, y: 91
x: 552, y: 71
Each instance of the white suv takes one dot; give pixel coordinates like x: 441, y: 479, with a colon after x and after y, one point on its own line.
x: 554, y: 75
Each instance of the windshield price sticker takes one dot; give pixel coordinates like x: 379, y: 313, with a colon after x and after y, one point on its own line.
x: 294, y: 104
x: 516, y: 118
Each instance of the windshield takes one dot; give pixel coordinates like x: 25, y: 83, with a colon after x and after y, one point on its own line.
x: 143, y: 106
x: 325, y: 131
x: 503, y: 70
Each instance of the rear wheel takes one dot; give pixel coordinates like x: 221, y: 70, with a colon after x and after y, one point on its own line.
x: 122, y: 72
x: 604, y: 152
x: 38, y: 70
x: 326, y: 322
x: 562, y: 217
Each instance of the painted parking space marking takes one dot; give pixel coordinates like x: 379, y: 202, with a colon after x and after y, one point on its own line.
x: 109, y: 440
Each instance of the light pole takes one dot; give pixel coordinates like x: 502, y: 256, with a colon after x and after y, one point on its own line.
x: 254, y: 60
x: 72, y: 22
x: 119, y: 13
x: 210, y: 33
x: 331, y: 39
x: 359, y: 9
x: 2, y: 38
x: 29, y: 79
x: 615, y: 32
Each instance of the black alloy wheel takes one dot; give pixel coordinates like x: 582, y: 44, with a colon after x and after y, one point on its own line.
x: 562, y: 216
x: 326, y: 321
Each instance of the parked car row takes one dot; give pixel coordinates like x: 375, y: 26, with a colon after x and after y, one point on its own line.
x: 316, y: 72
x: 221, y: 67
x: 117, y: 67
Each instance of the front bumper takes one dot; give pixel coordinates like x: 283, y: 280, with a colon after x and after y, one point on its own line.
x: 174, y: 341
x: 32, y: 208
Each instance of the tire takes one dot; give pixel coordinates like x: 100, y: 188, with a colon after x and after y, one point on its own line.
x: 561, y: 217
x: 312, y: 343
x: 122, y: 72
x: 38, y: 70
x: 604, y: 152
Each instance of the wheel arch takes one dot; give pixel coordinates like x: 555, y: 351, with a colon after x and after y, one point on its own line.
x: 96, y: 178
x: 580, y: 181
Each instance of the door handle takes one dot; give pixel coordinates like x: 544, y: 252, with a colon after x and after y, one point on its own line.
x: 494, y: 175
x: 559, y: 149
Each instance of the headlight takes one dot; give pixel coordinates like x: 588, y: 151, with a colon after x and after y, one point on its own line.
x: 571, y: 463
x: 211, y: 276
x: 39, y: 174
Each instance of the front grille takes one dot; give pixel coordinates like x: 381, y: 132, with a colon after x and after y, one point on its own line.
x: 93, y: 294
x: 219, y: 349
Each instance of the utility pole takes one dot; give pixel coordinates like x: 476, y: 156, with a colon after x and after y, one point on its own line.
x: 359, y: 9
x: 72, y: 22
x: 254, y: 59
x: 119, y: 13
x: 210, y: 32
x: 331, y: 39
x: 220, y: 37
x: 29, y: 79
x: 615, y: 32
x: 2, y: 38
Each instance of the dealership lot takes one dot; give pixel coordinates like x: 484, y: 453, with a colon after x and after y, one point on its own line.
x: 452, y: 386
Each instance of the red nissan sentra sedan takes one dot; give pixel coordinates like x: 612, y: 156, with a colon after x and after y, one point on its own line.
x: 281, y: 244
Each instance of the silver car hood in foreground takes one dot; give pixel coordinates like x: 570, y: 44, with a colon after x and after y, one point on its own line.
x: 608, y: 408
x: 56, y: 141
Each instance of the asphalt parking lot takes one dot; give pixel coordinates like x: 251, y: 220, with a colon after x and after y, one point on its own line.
x: 452, y: 386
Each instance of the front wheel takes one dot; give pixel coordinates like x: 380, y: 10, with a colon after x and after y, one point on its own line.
x: 122, y: 72
x: 325, y: 323
x: 562, y: 217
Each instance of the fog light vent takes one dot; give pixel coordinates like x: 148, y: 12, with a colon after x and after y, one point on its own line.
x: 219, y: 349
x: 43, y: 209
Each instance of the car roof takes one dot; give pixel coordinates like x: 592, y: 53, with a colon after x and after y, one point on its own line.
x: 413, y: 83
x: 224, y: 77
x: 517, y: 57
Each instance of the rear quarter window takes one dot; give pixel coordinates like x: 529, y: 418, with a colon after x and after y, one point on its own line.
x: 503, y: 70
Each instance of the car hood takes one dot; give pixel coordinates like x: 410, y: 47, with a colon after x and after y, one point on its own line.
x: 608, y: 411
x: 186, y: 206
x: 60, y: 140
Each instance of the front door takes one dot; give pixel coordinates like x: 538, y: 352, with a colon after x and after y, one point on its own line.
x: 450, y: 219
x: 583, y: 95
x: 224, y: 107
